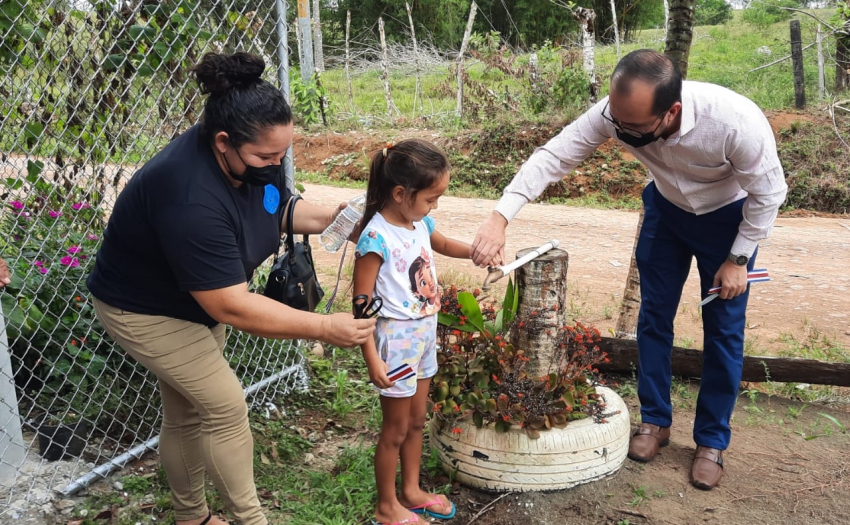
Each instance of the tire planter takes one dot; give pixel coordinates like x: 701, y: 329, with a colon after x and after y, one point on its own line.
x: 510, y: 461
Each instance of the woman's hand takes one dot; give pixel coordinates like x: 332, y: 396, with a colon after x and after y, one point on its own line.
x: 5, y: 276
x: 378, y: 371
x: 344, y: 330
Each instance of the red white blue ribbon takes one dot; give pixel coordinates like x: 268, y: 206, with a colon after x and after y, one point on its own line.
x: 754, y: 276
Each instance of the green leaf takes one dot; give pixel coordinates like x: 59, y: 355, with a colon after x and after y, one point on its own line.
x: 502, y: 425
x: 73, y: 350
x: 145, y: 71
x: 447, y: 319
x: 114, y: 61
x: 138, y: 32
x: 33, y: 131
x: 478, y: 419
x: 835, y: 421
x: 469, y: 307
x: 14, y: 184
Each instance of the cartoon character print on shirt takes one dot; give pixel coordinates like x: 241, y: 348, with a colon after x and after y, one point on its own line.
x: 424, y: 285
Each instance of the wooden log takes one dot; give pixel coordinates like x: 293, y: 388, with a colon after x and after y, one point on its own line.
x: 687, y: 362
x: 543, y: 288
x: 797, y: 62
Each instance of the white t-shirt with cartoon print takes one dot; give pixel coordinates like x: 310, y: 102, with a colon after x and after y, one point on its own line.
x: 407, y: 279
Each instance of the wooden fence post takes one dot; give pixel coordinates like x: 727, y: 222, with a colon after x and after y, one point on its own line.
x: 542, y: 287
x: 348, y: 59
x: 821, y: 73
x: 418, y: 93
x: 472, y: 10
x: 797, y: 59
x: 385, y: 66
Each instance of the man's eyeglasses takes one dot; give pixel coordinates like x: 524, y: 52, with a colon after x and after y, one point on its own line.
x: 632, y: 132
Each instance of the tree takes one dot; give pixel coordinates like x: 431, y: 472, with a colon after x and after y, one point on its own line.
x: 842, y: 48
x: 680, y: 32
x: 712, y: 12
x: 678, y: 48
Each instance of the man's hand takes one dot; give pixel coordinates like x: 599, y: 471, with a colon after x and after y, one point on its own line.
x: 5, y: 275
x: 488, y: 248
x: 732, y: 279
x: 344, y: 330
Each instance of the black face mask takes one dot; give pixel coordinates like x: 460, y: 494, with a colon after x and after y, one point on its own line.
x: 638, y: 142
x: 256, y: 176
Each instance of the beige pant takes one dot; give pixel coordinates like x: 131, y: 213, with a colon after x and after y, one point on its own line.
x: 205, y: 425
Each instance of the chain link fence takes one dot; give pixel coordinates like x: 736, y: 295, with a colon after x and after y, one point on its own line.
x: 91, y: 89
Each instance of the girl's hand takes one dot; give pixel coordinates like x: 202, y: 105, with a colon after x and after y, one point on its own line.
x: 378, y: 371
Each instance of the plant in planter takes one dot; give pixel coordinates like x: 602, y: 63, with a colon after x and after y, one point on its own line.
x: 482, y: 375
x: 61, y: 435
x: 496, y: 425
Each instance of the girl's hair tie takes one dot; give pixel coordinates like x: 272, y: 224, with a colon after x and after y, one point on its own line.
x: 388, y: 147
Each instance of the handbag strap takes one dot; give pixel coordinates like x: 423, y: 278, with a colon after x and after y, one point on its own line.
x: 290, y: 240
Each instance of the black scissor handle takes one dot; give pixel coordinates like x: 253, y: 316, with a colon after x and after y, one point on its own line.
x: 364, y: 308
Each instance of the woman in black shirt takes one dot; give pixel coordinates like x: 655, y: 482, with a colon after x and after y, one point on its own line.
x: 184, y: 238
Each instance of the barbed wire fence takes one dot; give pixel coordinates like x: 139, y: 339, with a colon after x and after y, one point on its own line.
x: 91, y: 89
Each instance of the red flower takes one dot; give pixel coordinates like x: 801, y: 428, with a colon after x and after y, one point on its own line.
x: 456, y: 430
x: 506, y: 418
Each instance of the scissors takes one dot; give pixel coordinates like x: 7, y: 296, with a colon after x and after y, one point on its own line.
x: 364, y: 308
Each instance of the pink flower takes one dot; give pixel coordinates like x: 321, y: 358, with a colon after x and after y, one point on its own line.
x: 39, y: 264
x: 43, y: 270
x: 74, y: 249
x: 79, y: 205
x: 54, y: 214
x: 18, y: 205
x: 69, y: 261
x: 92, y: 237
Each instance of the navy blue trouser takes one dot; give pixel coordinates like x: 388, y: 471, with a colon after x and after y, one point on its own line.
x: 669, y: 239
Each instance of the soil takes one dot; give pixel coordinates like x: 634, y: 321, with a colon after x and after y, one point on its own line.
x: 787, y: 462
x: 808, y: 296
x: 773, y: 474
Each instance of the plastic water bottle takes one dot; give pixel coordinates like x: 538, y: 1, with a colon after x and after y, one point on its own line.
x: 337, y: 233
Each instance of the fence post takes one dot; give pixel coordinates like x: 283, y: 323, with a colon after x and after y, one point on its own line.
x: 821, y: 74
x: 283, y: 77
x: 306, y: 38
x: 472, y: 10
x: 348, y: 60
x: 797, y: 59
x: 12, y: 449
x: 385, y: 67
x: 542, y: 287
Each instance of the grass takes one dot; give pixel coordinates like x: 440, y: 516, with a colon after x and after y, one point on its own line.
x: 723, y: 55
x: 484, y: 162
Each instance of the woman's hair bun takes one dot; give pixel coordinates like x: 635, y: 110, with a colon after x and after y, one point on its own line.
x: 218, y: 73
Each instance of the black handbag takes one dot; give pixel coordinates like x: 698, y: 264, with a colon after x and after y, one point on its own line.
x: 292, y: 279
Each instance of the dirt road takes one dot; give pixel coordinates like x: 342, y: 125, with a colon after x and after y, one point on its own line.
x: 807, y: 259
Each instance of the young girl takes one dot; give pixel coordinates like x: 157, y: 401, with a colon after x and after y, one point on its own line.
x: 394, y: 261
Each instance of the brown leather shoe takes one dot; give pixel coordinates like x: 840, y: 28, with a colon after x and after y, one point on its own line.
x: 646, y: 442
x: 707, y: 469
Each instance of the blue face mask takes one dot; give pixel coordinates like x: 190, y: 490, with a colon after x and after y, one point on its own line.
x: 256, y: 176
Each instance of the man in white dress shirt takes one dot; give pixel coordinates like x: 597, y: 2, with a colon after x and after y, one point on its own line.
x: 716, y: 190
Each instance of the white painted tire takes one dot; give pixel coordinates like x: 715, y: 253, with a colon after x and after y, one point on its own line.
x: 512, y: 462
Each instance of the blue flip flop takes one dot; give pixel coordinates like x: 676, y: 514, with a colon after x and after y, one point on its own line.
x: 423, y: 509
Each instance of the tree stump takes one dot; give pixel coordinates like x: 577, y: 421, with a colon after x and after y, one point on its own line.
x: 542, y: 288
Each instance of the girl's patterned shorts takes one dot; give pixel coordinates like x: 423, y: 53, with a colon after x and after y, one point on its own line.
x: 409, y: 347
